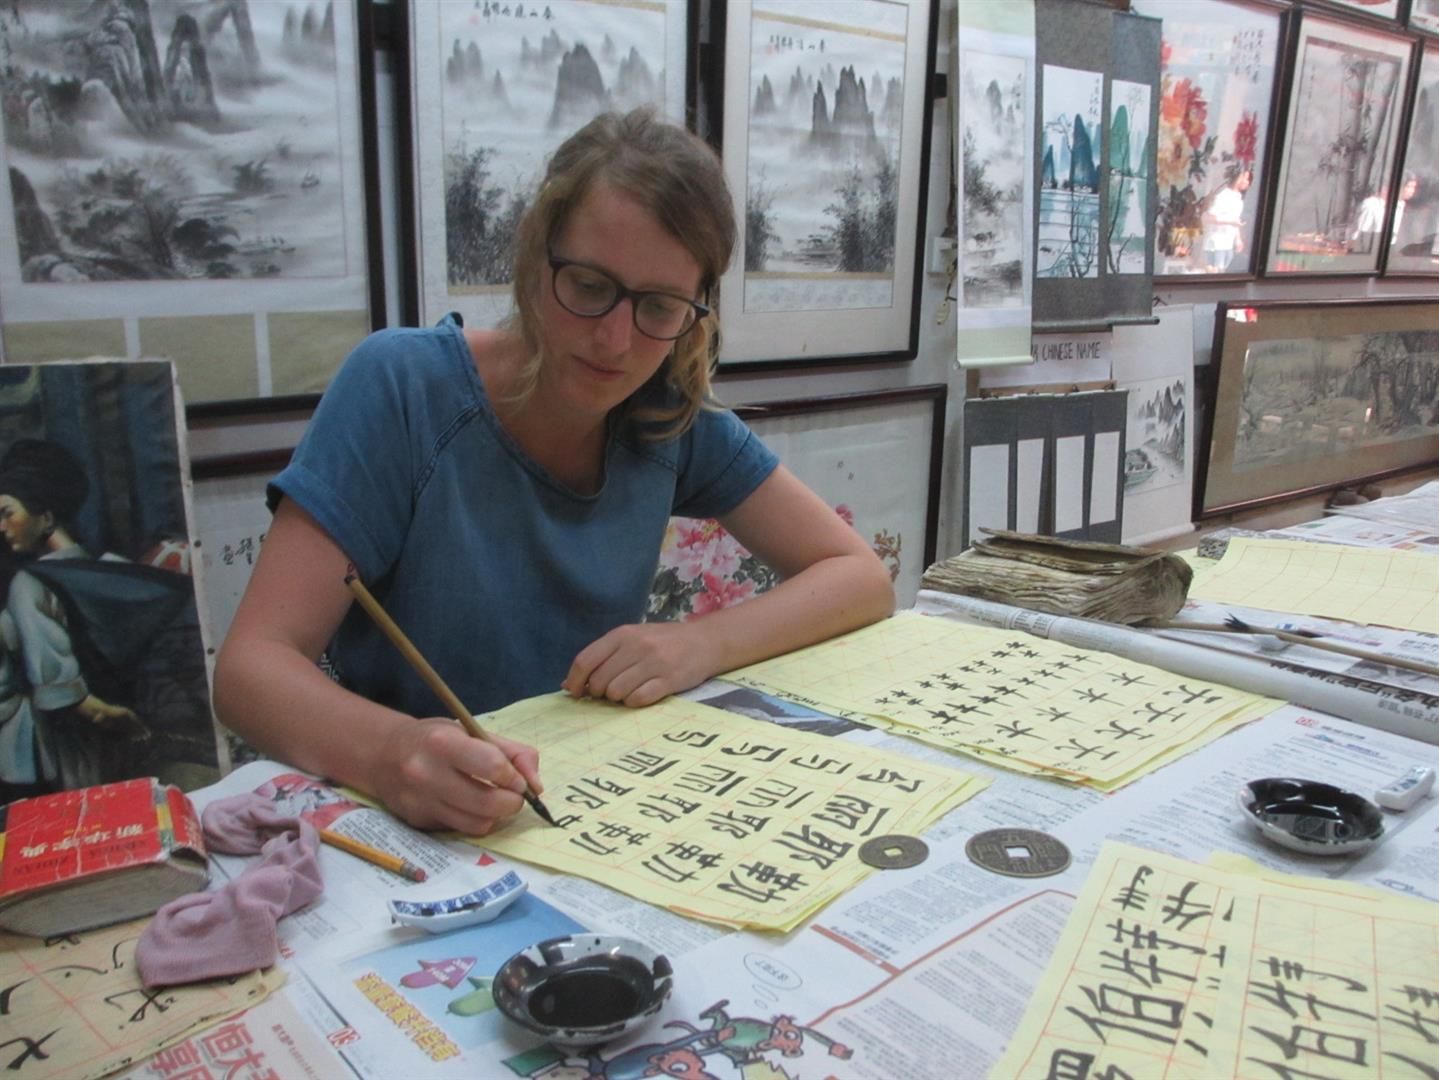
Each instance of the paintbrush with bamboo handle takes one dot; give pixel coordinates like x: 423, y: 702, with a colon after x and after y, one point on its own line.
x: 1235, y: 625
x: 432, y: 679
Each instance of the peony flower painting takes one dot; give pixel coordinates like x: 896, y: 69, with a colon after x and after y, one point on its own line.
x: 1218, y: 62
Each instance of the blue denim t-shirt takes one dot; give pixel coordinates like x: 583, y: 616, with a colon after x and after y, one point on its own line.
x: 495, y: 570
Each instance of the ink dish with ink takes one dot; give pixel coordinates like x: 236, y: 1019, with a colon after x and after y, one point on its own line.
x: 1310, y: 816
x: 583, y: 990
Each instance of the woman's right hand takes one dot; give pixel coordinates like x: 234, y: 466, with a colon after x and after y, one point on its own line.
x: 434, y: 775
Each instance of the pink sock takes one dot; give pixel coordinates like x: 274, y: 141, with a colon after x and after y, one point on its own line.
x: 231, y: 930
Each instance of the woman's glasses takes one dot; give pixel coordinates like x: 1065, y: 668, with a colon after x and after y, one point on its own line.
x: 587, y: 292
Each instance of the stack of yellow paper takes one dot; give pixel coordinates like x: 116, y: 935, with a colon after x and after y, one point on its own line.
x: 1009, y: 698
x: 711, y: 814
x: 1170, y: 969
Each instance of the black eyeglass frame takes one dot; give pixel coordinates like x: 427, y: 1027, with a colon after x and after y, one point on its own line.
x: 622, y: 292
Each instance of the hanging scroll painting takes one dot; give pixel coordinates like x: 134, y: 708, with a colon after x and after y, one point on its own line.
x: 995, y: 266
x: 1340, y: 141
x: 496, y: 89
x: 209, y: 208
x: 1218, y: 59
x: 1415, y: 231
x: 826, y: 138
x: 1098, y: 115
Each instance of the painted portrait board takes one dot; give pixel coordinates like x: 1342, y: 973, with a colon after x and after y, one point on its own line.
x: 103, y: 668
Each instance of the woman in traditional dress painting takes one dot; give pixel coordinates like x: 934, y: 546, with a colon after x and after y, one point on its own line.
x: 52, y: 723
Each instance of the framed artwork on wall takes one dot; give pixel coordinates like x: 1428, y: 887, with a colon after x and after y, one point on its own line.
x: 992, y: 143
x: 1379, y: 9
x: 1219, y: 59
x: 1097, y: 121
x: 875, y: 457
x: 1312, y: 395
x: 495, y: 88
x: 1340, y: 142
x: 826, y: 132
x: 1414, y: 244
x: 1424, y: 15
x: 215, y: 208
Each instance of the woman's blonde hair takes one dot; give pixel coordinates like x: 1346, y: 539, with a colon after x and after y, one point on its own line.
x: 677, y: 177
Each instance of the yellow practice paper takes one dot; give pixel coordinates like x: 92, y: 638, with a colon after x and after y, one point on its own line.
x: 1363, y: 585
x: 72, y: 1007
x: 709, y: 813
x: 1009, y: 698
x: 1174, y: 970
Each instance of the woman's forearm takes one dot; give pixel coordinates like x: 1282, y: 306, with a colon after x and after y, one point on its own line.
x: 285, y: 706
x: 833, y: 596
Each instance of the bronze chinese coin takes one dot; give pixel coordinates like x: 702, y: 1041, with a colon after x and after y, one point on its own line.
x: 895, y: 851
x: 1017, y: 852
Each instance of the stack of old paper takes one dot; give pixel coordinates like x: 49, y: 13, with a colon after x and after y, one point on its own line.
x: 1169, y: 968
x: 711, y: 814
x: 1009, y: 698
x: 1066, y: 577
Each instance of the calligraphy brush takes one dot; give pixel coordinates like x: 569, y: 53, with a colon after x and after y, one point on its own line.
x: 1235, y: 625
x: 432, y: 680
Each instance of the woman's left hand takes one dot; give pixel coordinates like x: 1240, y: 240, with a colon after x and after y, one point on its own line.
x: 641, y: 664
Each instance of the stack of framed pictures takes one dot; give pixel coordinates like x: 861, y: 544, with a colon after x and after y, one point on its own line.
x: 1313, y: 395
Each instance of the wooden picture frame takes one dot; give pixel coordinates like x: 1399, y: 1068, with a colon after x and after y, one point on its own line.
x: 1314, y: 395
x: 1413, y: 249
x: 828, y: 267
x: 1423, y: 15
x: 1388, y: 10
x: 220, y: 212
x: 875, y: 456
x: 493, y: 90
x: 1333, y: 200
x: 1219, y: 61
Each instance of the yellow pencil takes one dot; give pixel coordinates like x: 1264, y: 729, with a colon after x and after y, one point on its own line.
x: 383, y: 859
x: 432, y: 678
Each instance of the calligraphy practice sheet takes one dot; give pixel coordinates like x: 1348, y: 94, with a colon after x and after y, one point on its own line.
x: 1014, y: 700
x: 1362, y: 585
x: 709, y: 813
x: 72, y: 1007
x: 1179, y: 970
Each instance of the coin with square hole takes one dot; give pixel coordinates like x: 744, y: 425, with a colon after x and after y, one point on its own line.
x: 1017, y: 852
x: 894, y: 851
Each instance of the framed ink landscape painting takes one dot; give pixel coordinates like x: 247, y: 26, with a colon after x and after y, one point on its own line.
x: 496, y: 88
x: 826, y: 145
x: 1312, y: 395
x: 1341, y: 137
x: 189, y: 181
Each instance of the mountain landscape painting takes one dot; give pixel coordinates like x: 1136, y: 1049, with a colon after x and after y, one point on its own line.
x: 1155, y: 439
x: 173, y: 139
x: 1068, y: 235
x: 826, y: 106
x: 1127, y: 230
x: 1312, y: 398
x: 518, y: 79
x: 994, y: 156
